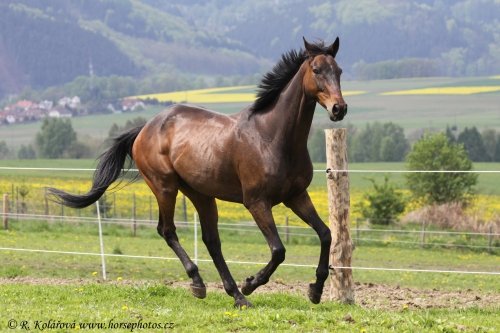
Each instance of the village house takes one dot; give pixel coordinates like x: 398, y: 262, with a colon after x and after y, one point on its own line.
x: 132, y: 104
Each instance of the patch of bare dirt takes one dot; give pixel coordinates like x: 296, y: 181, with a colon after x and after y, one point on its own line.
x: 367, y: 295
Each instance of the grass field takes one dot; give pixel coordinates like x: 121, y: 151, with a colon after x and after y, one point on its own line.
x: 148, y: 298
x: 239, y: 244
x: 71, y: 291
x: 95, y: 303
x: 366, y: 99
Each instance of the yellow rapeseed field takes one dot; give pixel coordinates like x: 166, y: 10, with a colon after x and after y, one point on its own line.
x: 485, y: 207
x: 121, y: 197
x: 211, y: 95
x: 465, y: 90
x: 215, y: 95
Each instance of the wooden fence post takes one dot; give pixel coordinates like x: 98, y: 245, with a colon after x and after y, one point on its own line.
x: 490, y: 238
x: 134, y: 216
x: 287, y: 231
x: 150, y: 209
x: 422, y: 235
x: 46, y: 203
x: 184, y: 209
x: 341, y: 285
x: 5, y: 211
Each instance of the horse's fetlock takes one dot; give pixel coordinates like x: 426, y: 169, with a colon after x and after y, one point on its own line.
x: 278, y: 254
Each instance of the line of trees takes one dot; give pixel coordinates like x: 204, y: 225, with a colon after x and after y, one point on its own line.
x: 386, y: 142
x: 376, y: 142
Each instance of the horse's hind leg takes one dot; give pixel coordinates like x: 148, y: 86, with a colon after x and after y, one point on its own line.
x: 207, y: 210
x: 166, y: 228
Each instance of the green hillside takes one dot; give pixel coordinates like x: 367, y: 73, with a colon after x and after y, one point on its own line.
x: 45, y: 43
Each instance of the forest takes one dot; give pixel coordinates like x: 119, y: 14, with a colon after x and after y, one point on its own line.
x: 46, y: 43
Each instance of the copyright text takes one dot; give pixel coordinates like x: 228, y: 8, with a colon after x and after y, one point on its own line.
x: 112, y: 324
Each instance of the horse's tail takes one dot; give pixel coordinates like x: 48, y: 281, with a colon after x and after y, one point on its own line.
x: 108, y: 170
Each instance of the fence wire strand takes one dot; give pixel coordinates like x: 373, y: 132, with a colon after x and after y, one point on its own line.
x: 242, y: 227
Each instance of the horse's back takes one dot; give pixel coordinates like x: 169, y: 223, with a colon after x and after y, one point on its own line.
x: 196, y: 144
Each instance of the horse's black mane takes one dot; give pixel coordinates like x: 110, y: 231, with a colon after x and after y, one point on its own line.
x: 275, y: 80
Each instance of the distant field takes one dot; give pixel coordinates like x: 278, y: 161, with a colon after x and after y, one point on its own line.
x: 239, y: 94
x: 486, y: 204
x: 446, y: 91
x: 368, y: 102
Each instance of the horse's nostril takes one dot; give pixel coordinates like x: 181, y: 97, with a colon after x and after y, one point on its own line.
x: 336, y: 108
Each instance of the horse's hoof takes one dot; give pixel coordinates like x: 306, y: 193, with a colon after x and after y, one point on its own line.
x: 247, y: 288
x: 198, y: 291
x: 313, y: 294
x: 242, y: 303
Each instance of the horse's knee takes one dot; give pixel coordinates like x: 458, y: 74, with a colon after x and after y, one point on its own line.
x: 278, y: 254
x: 325, y: 237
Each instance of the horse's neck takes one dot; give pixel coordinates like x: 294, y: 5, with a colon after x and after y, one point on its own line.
x: 290, y: 119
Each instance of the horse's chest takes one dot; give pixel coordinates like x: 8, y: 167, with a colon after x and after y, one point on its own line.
x: 287, y: 183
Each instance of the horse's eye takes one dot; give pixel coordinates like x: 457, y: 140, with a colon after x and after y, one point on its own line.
x: 316, y: 70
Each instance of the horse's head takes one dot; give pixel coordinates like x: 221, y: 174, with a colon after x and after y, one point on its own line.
x: 322, y: 78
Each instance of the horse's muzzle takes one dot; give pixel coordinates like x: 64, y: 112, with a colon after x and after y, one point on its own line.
x: 338, y: 112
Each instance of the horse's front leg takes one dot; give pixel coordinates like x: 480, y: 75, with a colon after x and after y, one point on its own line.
x: 303, y: 207
x: 261, y: 212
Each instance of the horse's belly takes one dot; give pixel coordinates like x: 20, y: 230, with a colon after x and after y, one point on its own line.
x: 210, y: 176
x: 223, y: 187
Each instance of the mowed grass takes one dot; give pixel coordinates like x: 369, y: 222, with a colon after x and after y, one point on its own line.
x: 176, y: 308
x: 240, y: 246
x: 149, y: 300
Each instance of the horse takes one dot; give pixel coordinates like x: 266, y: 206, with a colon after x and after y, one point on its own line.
x: 257, y: 157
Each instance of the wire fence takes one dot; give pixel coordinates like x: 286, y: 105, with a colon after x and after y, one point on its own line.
x: 243, y: 228
x: 287, y: 231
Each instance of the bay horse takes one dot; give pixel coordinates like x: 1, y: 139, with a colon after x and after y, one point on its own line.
x: 257, y: 157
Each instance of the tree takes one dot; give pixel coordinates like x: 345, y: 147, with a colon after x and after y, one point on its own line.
x: 4, y: 150
x: 78, y: 150
x: 450, y: 134
x: 474, y: 144
x: 115, y: 130
x: 379, y: 142
x: 394, y: 145
x: 55, y: 137
x: 26, y: 153
x: 316, y: 146
x: 384, y: 203
x: 496, y: 155
x: 490, y: 142
x: 435, y: 152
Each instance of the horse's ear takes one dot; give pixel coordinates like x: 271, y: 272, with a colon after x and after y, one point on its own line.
x: 309, y: 48
x: 334, y: 48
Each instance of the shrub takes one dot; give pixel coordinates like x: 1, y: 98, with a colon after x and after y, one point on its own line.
x: 385, y: 203
x: 435, y: 152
